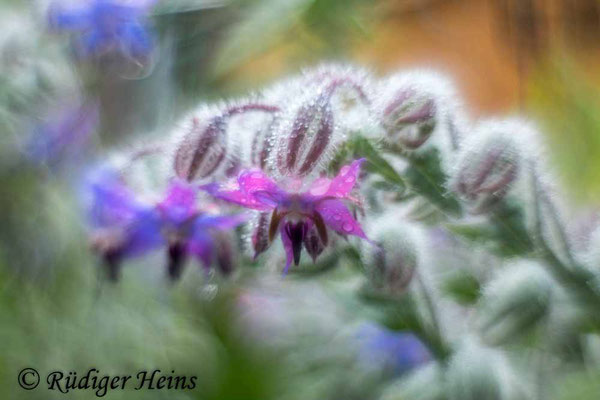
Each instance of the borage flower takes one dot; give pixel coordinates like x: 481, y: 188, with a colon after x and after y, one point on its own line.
x: 106, y: 26
x: 124, y: 226
x: 188, y: 230
x: 302, y: 218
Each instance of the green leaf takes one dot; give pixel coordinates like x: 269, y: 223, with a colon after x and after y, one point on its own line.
x: 376, y: 164
x: 504, y: 234
x: 424, y: 175
x: 463, y: 287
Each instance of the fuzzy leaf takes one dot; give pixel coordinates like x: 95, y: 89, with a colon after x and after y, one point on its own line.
x: 463, y: 287
x: 504, y: 235
x: 424, y: 175
x: 376, y: 163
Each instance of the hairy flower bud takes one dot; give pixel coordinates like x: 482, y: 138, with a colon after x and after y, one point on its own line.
x: 413, y: 106
x: 261, y: 236
x: 202, y: 150
x: 392, y: 261
x: 205, y: 145
x: 409, y: 119
x: 476, y: 372
x: 516, y: 300
x: 486, y: 167
x: 308, y: 133
x: 262, y: 143
x: 311, y: 131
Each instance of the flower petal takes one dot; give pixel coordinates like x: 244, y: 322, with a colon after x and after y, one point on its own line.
x: 337, y: 216
x: 344, y: 182
x: 143, y: 233
x: 254, y: 190
x: 135, y: 40
x: 220, y: 222
x: 201, y: 246
x: 179, y: 204
x: 252, y: 181
x: 341, y: 185
x: 112, y: 203
x: 72, y: 19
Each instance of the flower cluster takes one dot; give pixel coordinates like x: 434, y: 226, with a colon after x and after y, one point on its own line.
x: 336, y: 153
x: 125, y: 226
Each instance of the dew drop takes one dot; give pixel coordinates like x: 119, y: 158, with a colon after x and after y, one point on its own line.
x: 347, y: 227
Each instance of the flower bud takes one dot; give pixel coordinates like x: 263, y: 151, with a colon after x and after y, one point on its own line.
x: 409, y: 118
x: 262, y: 143
x: 208, y: 147
x: 392, y: 261
x: 486, y: 167
x: 202, y: 150
x: 260, y: 233
x: 414, y: 105
x: 425, y: 383
x: 476, y: 372
x: 518, y: 298
x: 302, y: 146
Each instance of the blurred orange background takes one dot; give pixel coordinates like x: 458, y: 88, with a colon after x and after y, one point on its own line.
x: 489, y: 47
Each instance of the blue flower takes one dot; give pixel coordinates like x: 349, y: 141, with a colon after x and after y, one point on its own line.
x: 397, y: 352
x: 124, y: 226
x: 105, y: 26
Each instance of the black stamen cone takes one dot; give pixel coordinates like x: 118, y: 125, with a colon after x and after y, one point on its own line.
x: 176, y: 261
x: 112, y: 262
x: 296, y: 234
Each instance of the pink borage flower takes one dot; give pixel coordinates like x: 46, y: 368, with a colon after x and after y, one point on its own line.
x: 301, y: 217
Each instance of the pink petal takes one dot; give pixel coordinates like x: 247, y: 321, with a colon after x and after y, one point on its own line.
x: 179, y: 203
x: 337, y: 216
x: 251, y: 181
x: 341, y: 185
x: 253, y: 190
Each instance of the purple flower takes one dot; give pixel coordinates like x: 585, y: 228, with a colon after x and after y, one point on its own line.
x: 124, y: 226
x: 191, y: 231
x: 302, y: 218
x: 106, y: 26
x: 397, y: 352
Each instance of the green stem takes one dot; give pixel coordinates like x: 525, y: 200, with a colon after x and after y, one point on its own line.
x: 575, y: 278
x: 432, y: 333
